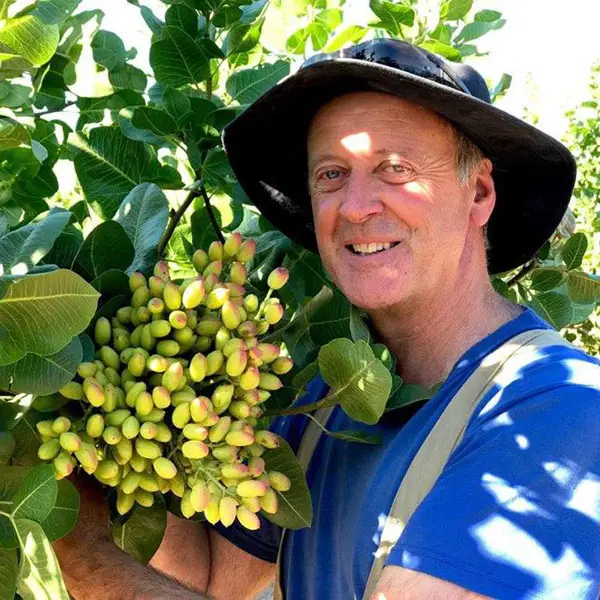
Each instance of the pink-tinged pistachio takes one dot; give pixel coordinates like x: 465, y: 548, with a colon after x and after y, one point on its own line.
x: 236, y: 363
x: 226, y: 454
x: 164, y: 468
x: 200, y: 496
x: 199, y: 408
x: 269, y: 352
x: 149, y: 431
x: 239, y: 438
x: 140, y: 298
x: 221, y: 397
x: 238, y: 273
x: 200, y: 260
x: 251, y: 489
x: 215, y: 251
x: 239, y: 409
x: 274, y: 314
x: 232, y: 244
x: 252, y: 397
x: 63, y: 464
x: 87, y: 457
x: 195, y: 449
x: 278, y: 278
x: 270, y: 502
x: 282, y: 365
x: 251, y: 303
x: 195, y: 431
x: 161, y: 269
x: 198, y: 367
x: 181, y: 415
x: 217, y: 297
x: 230, y: 315
x: 172, y: 296
x: 256, y: 466
x: 279, y: 481
x: 246, y: 251
x: 70, y: 441
x: 194, y: 294
x: 219, y: 430
x: 227, y: 511
x: 210, y: 280
x: 214, y: 361
x: 250, y: 378
x: 269, y: 382
x: 237, y: 471
x: 157, y: 286
x: 214, y: 268
x: 267, y: 439
x: 136, y: 281
x: 95, y: 394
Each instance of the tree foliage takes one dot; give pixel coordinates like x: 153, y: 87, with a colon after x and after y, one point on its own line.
x: 155, y: 182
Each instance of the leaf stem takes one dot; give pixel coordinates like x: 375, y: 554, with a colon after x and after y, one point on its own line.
x: 211, y: 214
x: 174, y: 219
x: 524, y: 271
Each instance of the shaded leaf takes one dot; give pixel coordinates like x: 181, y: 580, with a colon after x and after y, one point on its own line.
x: 472, y: 31
x: 35, y: 374
x: 64, y: 514
x: 144, y: 214
x: 109, y: 50
x: 453, y: 10
x: 547, y: 278
x: 37, y: 494
x: 9, y: 572
x: 358, y: 380
x: 182, y: 17
x: 574, y: 250
x: 247, y: 85
x: 109, y: 166
x: 583, y: 288
x: 295, y: 506
x: 54, y: 12
x: 177, y: 59
x: 155, y: 120
x: 141, y: 531
x: 178, y: 105
x: 33, y: 311
x: 555, y: 308
x: 40, y: 576
x: 106, y: 247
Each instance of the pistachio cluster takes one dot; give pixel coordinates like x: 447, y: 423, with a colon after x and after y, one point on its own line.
x: 175, y: 392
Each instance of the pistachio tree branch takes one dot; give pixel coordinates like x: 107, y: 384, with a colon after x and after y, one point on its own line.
x: 211, y: 214
x: 174, y: 218
x: 524, y: 271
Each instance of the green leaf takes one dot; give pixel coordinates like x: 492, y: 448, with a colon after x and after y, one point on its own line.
x: 7, y: 446
x: 13, y: 95
x: 351, y: 35
x: 177, y: 59
x: 472, y: 31
x: 49, y: 403
x: 216, y: 171
x: 8, y: 535
x: 296, y: 43
x: 9, y: 572
x: 155, y: 120
x: 20, y: 250
x: 26, y: 435
x: 29, y: 37
x: 54, y: 12
x: 40, y: 576
x: 37, y: 494
x: 382, y: 352
x: 318, y: 35
x: 574, y: 250
x: 109, y: 50
x: 203, y: 233
x: 295, y: 506
x: 487, y: 16
x: 128, y: 77
x: 109, y: 166
x: 330, y: 18
x: 178, y: 105
x: 358, y: 380
x: 583, y: 288
x: 358, y: 328
x: 65, y: 248
x: 125, y: 120
x: 453, y: 10
x: 64, y: 514
x: 555, y: 308
x: 247, y: 85
x: 444, y: 50
x: 409, y: 393
x: 144, y: 214
x: 182, y: 17
x: 35, y: 374
x: 547, y: 279
x: 393, y: 16
x: 41, y: 313
x: 141, y: 531
x: 153, y: 22
x: 11, y: 480
x: 106, y: 247
x: 242, y: 37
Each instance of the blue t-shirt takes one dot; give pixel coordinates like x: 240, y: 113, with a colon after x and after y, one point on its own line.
x: 514, y: 514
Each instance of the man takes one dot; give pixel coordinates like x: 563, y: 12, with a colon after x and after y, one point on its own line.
x: 413, y: 188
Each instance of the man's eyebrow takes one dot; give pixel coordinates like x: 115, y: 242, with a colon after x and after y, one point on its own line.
x: 379, y: 152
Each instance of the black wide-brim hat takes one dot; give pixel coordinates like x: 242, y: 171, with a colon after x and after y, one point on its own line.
x: 534, y: 174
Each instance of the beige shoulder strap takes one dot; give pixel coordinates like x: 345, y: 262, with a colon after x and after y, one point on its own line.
x: 433, y: 454
x: 447, y: 433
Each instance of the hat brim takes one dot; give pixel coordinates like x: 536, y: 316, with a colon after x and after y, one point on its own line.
x: 534, y: 174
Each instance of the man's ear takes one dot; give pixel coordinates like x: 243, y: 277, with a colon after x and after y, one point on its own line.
x: 484, y: 199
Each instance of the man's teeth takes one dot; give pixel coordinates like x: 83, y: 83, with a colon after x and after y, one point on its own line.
x: 370, y: 248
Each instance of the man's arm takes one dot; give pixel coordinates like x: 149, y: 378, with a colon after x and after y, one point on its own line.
x: 398, y: 583
x: 93, y: 567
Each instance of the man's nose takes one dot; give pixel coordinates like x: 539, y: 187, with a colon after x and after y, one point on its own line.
x: 360, y: 200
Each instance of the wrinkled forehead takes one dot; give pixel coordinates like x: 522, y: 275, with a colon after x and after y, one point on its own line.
x: 375, y: 113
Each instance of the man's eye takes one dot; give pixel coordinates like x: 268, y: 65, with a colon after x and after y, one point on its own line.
x: 330, y: 174
x: 401, y: 169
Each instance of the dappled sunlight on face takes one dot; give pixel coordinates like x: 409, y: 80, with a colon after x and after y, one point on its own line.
x: 357, y: 143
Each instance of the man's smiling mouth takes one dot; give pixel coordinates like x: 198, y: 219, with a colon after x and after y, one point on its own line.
x: 372, y: 248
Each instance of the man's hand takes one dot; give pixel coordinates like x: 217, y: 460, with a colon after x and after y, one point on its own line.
x: 398, y: 583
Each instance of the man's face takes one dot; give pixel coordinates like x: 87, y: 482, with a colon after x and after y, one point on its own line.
x: 391, y: 218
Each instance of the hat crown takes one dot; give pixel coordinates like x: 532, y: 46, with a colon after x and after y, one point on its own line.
x: 412, y: 59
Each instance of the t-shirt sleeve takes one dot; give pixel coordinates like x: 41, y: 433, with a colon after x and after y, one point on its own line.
x: 516, y: 511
